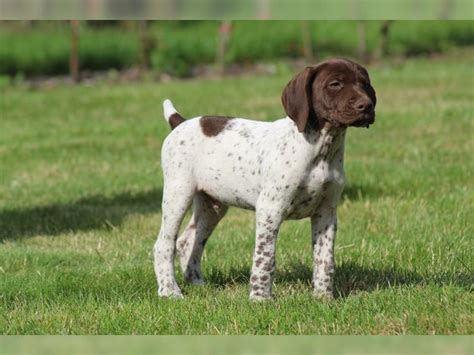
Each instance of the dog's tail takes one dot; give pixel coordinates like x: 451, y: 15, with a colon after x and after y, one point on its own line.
x: 171, y: 115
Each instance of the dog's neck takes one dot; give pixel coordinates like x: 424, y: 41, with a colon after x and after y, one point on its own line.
x: 326, y: 141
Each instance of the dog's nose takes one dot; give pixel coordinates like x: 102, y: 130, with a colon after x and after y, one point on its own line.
x: 364, y: 106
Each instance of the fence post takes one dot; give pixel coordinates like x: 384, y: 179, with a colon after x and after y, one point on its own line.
x: 74, y: 55
x: 225, y: 30
x: 362, y: 47
x: 307, y: 45
x: 382, y: 49
x: 147, y: 44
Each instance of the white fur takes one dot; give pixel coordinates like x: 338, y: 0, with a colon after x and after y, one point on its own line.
x: 168, y: 109
x: 268, y: 167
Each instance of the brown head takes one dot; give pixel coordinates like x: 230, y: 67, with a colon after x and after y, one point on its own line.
x: 337, y: 91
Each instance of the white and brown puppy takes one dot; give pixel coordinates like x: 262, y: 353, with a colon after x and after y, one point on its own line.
x: 291, y: 168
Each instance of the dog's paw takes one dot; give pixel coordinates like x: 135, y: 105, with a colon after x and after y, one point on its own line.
x: 170, y: 292
x: 323, y: 295
x: 194, y: 277
x: 197, y: 282
x: 258, y: 297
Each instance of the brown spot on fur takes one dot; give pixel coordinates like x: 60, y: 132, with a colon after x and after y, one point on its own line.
x: 175, y: 120
x: 213, y: 125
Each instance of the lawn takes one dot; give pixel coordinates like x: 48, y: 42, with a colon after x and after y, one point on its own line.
x: 80, y: 194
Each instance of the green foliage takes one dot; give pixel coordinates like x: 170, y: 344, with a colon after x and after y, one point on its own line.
x: 108, y: 49
x: 183, y: 45
x: 426, y: 37
x: 46, y: 52
x: 34, y: 52
x: 259, y: 40
x: 81, y: 187
x: 253, y: 41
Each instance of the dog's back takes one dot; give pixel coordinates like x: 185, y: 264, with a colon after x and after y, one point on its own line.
x: 225, y: 154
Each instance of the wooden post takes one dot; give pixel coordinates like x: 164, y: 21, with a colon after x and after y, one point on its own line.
x: 362, y: 47
x: 382, y: 49
x: 147, y: 44
x: 307, y: 45
x: 74, y: 55
x: 225, y: 30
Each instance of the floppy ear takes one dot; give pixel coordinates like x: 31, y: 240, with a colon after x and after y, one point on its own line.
x: 370, y: 91
x: 297, y: 97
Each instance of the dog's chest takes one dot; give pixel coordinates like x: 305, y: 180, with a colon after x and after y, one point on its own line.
x: 324, y: 180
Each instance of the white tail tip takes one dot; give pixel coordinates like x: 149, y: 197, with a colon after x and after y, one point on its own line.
x: 168, y: 109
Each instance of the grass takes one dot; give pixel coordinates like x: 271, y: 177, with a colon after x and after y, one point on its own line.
x: 80, y: 198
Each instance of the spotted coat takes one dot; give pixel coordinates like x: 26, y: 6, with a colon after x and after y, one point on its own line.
x: 274, y: 168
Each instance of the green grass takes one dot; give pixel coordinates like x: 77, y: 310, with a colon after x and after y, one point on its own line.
x: 80, y: 198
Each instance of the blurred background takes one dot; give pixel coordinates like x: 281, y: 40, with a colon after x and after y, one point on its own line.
x: 136, y: 50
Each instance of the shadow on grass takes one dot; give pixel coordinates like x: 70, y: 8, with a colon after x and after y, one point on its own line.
x: 350, y: 278
x: 362, y: 192
x: 100, y: 212
x: 93, y: 212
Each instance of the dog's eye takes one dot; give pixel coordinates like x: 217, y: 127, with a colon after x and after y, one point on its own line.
x: 335, y: 84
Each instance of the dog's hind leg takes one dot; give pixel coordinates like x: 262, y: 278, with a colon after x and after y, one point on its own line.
x: 177, y: 198
x: 206, y: 215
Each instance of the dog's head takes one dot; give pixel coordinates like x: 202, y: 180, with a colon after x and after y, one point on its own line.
x: 336, y: 91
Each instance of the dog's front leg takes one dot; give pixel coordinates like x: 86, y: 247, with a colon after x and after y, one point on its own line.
x: 323, y: 226
x: 267, y: 226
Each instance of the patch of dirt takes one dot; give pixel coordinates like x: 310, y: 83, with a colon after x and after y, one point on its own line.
x: 136, y: 74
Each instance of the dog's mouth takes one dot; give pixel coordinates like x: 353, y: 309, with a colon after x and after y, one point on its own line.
x: 365, y: 121
x: 350, y: 119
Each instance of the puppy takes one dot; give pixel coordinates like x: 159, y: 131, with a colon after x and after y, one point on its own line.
x: 291, y: 168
